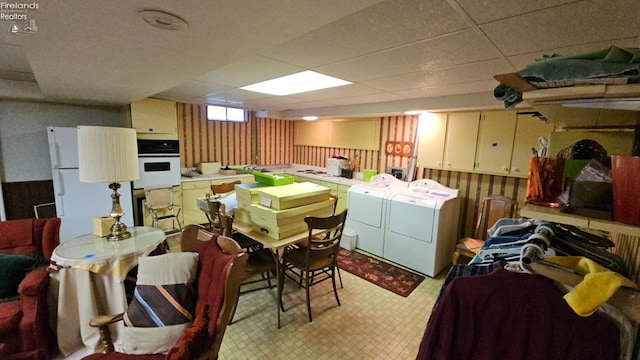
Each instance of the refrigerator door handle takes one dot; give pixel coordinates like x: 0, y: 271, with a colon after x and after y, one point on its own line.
x: 53, y: 150
x: 58, y: 188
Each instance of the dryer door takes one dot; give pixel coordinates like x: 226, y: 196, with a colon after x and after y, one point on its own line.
x: 366, y: 205
x: 412, y: 216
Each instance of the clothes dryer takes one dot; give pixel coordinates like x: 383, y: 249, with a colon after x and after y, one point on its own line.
x: 367, y: 210
x: 422, y: 226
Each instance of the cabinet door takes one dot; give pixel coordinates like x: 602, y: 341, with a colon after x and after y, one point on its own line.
x: 433, y: 130
x: 342, y: 198
x: 154, y: 116
x: 461, y: 139
x: 312, y: 133
x: 495, y: 142
x: 528, y: 130
x: 356, y: 134
x: 191, y: 191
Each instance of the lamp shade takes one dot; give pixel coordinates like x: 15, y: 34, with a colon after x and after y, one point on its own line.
x: 107, y: 154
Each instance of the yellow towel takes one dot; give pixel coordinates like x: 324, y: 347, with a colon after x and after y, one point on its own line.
x: 598, y: 286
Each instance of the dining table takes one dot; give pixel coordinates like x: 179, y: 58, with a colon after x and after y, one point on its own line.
x: 87, y: 279
x: 277, y: 247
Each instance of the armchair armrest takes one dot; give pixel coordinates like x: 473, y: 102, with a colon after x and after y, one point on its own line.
x: 102, y: 322
x: 34, y: 284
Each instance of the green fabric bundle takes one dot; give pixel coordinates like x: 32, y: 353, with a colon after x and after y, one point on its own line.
x: 13, y: 269
x: 613, y: 62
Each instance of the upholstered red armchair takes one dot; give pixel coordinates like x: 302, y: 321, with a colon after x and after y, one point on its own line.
x: 24, y: 322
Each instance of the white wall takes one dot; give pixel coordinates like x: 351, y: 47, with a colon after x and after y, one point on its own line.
x: 24, y: 150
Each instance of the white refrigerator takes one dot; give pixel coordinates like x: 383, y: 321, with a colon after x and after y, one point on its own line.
x: 77, y: 203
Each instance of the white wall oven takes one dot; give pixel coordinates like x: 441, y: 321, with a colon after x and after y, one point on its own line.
x: 159, y: 163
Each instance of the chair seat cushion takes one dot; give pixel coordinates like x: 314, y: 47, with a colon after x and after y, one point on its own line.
x: 470, y: 244
x: 13, y: 269
x: 163, y: 304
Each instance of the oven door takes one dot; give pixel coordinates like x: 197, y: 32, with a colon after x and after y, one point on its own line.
x: 158, y: 170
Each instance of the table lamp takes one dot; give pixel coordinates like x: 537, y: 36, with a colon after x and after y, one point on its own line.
x: 109, y: 155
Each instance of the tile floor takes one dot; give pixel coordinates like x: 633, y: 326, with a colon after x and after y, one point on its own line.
x: 372, y: 323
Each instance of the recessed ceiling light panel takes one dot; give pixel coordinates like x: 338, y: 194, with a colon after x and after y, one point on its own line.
x: 163, y: 20
x: 296, y: 83
x: 309, y: 118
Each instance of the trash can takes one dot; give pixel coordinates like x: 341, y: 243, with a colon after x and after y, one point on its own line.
x: 349, y: 238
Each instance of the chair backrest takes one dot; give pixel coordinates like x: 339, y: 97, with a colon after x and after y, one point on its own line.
x: 323, y: 246
x: 226, y: 223
x: 224, y: 188
x: 30, y: 236
x: 219, y: 277
x: 492, y: 209
x: 159, y: 197
x: 192, y: 237
x: 216, y: 208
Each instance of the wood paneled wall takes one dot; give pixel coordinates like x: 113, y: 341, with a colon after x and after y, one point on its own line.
x: 473, y: 187
x: 275, y: 142
x: 202, y: 140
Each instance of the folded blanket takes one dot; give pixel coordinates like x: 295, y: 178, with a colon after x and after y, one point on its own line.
x: 598, y: 286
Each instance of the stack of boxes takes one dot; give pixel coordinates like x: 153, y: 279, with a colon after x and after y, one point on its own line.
x: 246, y: 194
x: 279, y: 211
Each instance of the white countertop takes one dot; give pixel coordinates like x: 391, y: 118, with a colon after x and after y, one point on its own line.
x: 293, y: 170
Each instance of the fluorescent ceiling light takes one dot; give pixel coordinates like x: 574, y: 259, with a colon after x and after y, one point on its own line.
x: 296, y: 83
x: 309, y: 118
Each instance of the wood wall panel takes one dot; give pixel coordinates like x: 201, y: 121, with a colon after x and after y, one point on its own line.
x: 396, y: 128
x: 275, y: 141
x: 473, y: 187
x: 202, y: 140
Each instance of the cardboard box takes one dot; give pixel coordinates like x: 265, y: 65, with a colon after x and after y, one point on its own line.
x: 209, y: 167
x: 293, y: 195
x: 102, y: 225
x: 264, y: 215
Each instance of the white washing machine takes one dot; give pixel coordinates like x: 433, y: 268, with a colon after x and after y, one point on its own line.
x: 367, y: 210
x: 422, y: 226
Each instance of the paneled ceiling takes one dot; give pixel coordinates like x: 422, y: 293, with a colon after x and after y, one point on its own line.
x: 399, y: 54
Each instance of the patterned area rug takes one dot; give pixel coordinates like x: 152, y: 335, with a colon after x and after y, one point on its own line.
x: 383, y: 274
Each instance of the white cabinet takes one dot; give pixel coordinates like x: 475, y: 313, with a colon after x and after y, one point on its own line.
x: 495, y: 142
x: 154, y: 116
x: 461, y: 140
x: 433, y: 130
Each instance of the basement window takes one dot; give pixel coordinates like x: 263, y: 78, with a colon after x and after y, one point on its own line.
x: 223, y: 113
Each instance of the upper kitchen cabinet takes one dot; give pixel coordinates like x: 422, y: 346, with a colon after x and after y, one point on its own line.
x: 529, y: 130
x: 339, y: 133
x: 361, y: 134
x: 433, y: 130
x: 312, y: 133
x: 154, y: 118
x: 495, y: 142
x: 461, y: 140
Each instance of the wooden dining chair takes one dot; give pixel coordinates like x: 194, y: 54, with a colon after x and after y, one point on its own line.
x: 492, y: 209
x: 317, y: 261
x: 260, y: 262
x: 225, y: 188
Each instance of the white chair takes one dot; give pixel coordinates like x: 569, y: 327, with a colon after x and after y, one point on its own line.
x: 159, y: 202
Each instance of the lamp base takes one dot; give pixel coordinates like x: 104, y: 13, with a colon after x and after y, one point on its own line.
x: 118, y: 231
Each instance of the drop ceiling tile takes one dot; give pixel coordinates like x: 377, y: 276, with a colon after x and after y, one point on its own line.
x: 521, y: 61
x: 192, y: 89
x: 484, y: 11
x: 454, y: 89
x: 337, y: 92
x: 250, y: 70
x: 388, y: 24
x: 583, y: 22
x: 373, y: 98
x: 452, y: 49
x: 13, y: 58
x: 483, y: 70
